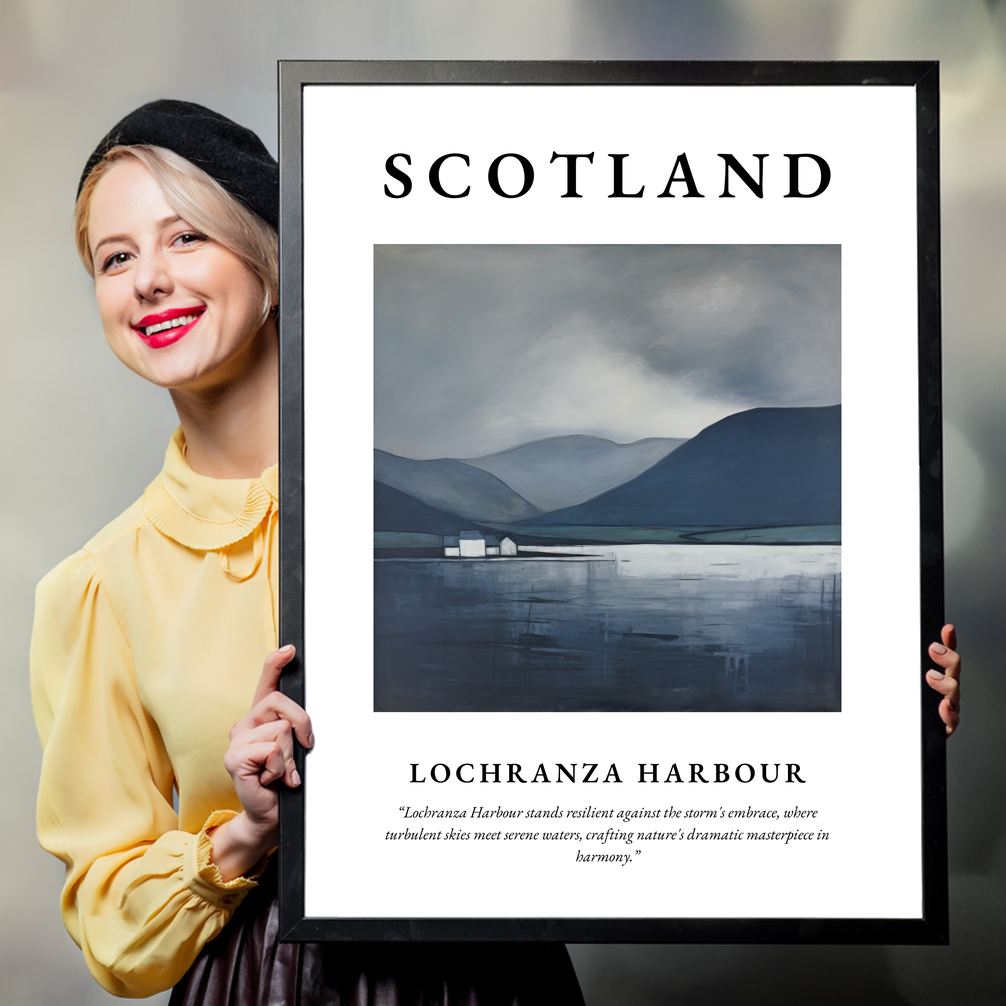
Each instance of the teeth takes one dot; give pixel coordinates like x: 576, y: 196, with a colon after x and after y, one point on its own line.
x: 174, y: 323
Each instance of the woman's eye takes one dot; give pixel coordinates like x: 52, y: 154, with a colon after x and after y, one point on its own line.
x: 190, y: 238
x: 114, y: 261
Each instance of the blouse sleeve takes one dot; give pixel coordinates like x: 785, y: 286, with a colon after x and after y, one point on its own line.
x: 141, y: 898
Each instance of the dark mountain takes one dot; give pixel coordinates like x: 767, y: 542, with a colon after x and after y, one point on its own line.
x: 398, y: 511
x: 764, y: 467
x: 453, y: 486
x: 561, y: 471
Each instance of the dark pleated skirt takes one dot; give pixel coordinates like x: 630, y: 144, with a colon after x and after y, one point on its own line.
x: 246, y: 965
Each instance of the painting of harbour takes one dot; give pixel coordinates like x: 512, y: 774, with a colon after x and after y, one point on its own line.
x: 607, y: 478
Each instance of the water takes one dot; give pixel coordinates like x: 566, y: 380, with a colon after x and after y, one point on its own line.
x: 612, y: 628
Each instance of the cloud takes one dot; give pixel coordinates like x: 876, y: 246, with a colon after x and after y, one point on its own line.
x: 478, y: 348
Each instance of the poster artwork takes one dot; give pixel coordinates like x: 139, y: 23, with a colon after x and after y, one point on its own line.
x: 647, y: 440
x: 607, y: 478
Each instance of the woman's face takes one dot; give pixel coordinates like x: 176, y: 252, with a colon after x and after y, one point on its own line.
x: 177, y: 308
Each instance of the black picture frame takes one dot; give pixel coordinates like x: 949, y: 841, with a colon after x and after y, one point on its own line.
x: 931, y: 925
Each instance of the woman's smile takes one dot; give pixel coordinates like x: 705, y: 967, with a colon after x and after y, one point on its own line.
x: 159, y: 330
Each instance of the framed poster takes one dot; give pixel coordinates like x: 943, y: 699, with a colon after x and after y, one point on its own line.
x: 611, y: 499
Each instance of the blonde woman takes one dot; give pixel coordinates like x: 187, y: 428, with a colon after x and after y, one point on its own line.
x: 154, y: 660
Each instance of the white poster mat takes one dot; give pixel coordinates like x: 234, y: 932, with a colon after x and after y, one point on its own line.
x: 861, y: 765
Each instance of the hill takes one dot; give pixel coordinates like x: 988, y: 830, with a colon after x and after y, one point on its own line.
x: 398, y: 511
x: 448, y: 485
x: 559, y: 472
x: 763, y: 467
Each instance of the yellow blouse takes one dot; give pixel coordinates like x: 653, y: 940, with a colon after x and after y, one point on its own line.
x: 147, y: 647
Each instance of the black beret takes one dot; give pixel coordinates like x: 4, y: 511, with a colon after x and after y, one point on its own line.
x: 231, y: 154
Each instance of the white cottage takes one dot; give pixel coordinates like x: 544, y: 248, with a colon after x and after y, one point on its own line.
x: 451, y: 545
x: 472, y: 543
x: 508, y: 547
x: 492, y: 545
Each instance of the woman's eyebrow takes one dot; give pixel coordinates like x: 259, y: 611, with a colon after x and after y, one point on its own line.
x: 109, y: 240
x: 160, y: 225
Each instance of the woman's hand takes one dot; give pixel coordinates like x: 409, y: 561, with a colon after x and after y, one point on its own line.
x: 948, y: 681
x: 260, y: 754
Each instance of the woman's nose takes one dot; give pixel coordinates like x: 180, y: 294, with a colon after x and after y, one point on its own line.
x: 152, y: 277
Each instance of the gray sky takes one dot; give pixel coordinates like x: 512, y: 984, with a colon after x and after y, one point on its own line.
x: 479, y: 348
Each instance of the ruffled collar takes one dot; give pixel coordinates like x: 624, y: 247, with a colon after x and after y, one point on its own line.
x: 203, y: 513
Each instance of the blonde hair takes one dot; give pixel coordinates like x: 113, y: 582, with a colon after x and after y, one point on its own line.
x: 199, y: 200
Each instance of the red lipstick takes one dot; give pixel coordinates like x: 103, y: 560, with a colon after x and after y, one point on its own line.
x: 165, y: 333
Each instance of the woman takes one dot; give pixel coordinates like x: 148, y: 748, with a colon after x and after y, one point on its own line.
x: 149, y: 642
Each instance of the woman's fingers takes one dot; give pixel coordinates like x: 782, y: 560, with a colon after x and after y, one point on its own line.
x: 949, y: 711
x: 277, y: 706
x: 270, y: 703
x: 278, y: 736
x: 271, y: 671
x: 945, y: 655
x: 261, y: 749
x: 258, y: 761
x: 274, y: 766
x: 947, y: 686
x: 949, y: 636
x: 947, y: 680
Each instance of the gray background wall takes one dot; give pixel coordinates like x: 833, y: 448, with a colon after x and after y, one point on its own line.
x: 82, y: 436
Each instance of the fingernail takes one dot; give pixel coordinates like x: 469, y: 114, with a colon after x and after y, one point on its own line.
x: 310, y: 740
x: 936, y: 675
x: 287, y: 649
x: 938, y: 648
x: 295, y: 777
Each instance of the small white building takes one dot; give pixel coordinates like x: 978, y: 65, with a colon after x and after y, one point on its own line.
x: 472, y: 543
x: 492, y: 545
x: 508, y: 547
x: 451, y: 545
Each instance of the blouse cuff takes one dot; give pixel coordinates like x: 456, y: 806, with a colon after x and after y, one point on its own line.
x: 202, y: 876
